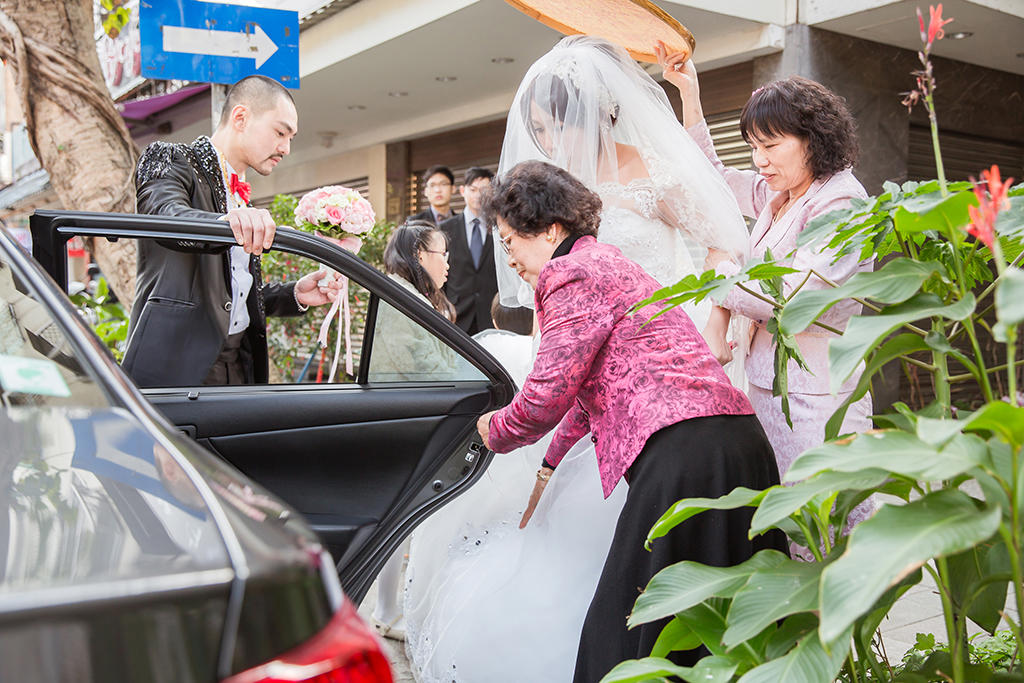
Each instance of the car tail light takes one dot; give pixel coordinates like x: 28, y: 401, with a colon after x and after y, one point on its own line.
x: 344, y: 651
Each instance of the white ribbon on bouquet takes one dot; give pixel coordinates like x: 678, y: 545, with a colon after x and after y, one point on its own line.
x: 339, y: 308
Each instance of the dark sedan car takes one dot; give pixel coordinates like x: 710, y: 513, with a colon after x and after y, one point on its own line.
x: 187, y: 533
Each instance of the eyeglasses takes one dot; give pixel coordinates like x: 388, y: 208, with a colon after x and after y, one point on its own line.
x: 437, y: 186
x: 442, y: 253
x: 506, y: 242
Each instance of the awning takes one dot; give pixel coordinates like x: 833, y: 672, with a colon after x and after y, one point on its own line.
x: 136, y: 111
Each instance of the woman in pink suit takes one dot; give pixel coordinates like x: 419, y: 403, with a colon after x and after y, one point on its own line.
x: 660, y: 409
x: 804, y: 143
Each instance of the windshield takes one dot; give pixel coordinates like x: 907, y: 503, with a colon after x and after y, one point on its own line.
x: 38, y: 365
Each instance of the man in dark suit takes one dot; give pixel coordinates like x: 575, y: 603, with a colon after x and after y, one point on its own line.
x: 200, y: 310
x: 472, y: 282
x: 438, y: 183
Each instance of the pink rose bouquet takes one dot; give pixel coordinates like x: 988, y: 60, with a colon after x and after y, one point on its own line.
x: 341, y: 215
x: 335, y: 212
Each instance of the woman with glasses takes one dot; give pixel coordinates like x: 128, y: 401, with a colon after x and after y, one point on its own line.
x: 416, y: 257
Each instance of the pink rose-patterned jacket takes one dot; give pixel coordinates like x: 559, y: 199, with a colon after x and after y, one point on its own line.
x: 606, y: 371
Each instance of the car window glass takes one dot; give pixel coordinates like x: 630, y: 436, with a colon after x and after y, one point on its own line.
x: 38, y: 366
x: 405, y: 351
x: 294, y: 342
x: 185, y: 303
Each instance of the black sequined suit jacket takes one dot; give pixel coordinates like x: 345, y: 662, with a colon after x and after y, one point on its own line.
x: 182, y: 308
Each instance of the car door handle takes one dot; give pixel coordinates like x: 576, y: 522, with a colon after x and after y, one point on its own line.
x: 189, y: 431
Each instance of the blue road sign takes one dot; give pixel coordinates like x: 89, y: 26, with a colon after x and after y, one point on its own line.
x: 216, y: 43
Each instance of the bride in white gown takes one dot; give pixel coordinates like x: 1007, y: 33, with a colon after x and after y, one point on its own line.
x: 487, y: 602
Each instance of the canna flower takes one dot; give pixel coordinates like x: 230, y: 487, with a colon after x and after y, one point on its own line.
x: 990, y: 203
x: 935, y: 25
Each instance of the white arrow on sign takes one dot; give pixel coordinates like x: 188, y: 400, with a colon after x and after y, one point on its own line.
x: 200, y: 41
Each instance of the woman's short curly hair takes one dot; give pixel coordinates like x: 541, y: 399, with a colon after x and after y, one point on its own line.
x: 810, y: 111
x: 534, y: 194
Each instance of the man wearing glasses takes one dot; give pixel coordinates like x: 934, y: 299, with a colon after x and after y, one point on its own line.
x: 472, y: 281
x: 438, y: 183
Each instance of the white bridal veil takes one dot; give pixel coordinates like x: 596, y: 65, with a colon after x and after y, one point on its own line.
x: 585, y: 106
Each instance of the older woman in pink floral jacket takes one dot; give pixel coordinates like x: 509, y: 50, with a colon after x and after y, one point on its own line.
x: 655, y: 400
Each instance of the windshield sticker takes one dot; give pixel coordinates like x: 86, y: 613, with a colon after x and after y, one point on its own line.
x: 32, y: 376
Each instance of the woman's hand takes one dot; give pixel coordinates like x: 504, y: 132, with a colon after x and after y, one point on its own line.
x: 543, y: 475
x: 677, y: 68
x: 715, y: 257
x: 715, y: 334
x: 483, y: 425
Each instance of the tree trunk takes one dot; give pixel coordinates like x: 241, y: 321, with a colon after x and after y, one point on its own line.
x: 73, y: 125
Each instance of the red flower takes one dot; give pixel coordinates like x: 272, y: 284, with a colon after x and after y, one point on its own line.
x: 983, y: 216
x: 935, y: 25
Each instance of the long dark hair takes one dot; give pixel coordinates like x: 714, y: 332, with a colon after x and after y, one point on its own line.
x: 402, y: 258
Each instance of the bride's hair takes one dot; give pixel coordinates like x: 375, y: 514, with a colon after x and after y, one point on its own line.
x: 402, y: 258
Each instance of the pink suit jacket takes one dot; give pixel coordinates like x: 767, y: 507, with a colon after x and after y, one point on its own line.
x: 758, y: 201
x: 606, y: 371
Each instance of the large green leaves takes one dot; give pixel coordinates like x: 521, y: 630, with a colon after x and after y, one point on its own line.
x: 685, y: 584
x: 866, y: 332
x: 688, y: 507
x: 809, y: 662
x: 769, y: 595
x: 894, y: 451
x: 1009, y: 301
x: 893, y: 283
x: 781, y: 501
x: 707, y: 670
x: 935, y: 211
x: 894, y: 542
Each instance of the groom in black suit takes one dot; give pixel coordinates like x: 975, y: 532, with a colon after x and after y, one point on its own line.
x: 472, y: 282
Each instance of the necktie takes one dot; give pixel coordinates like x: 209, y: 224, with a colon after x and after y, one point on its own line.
x: 476, y: 245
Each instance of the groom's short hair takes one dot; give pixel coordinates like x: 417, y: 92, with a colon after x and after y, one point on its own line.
x: 259, y: 93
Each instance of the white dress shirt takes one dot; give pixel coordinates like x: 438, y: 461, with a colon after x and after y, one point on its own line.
x: 241, y: 277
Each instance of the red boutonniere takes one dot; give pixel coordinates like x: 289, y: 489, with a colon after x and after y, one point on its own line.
x: 241, y: 188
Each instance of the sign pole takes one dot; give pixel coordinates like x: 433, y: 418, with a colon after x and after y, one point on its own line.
x: 218, y: 96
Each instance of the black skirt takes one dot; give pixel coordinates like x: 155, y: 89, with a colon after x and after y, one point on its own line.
x: 704, y: 457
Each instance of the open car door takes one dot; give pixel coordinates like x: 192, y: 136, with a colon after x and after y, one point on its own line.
x: 364, y: 458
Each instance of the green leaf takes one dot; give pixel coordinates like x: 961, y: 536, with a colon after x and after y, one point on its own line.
x: 896, y: 281
x: 900, y: 345
x: 999, y: 418
x: 792, y: 630
x: 675, y: 636
x: 1010, y: 297
x: 710, y: 669
x: 894, y: 451
x: 897, y: 540
x: 808, y: 662
x: 939, y: 667
x: 688, y: 507
x: 782, y: 501
x: 866, y: 627
x: 1011, y: 221
x: 864, y: 333
x: 971, y: 583
x: 933, y: 211
x: 683, y: 585
x: 707, y: 620
x: 769, y: 595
